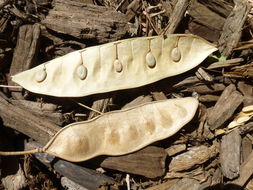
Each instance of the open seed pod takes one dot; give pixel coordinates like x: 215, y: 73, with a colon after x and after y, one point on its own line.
x: 117, y: 65
x: 120, y: 132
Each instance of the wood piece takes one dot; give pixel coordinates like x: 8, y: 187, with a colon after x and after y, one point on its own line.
x: 25, y: 52
x: 197, y: 173
x: 100, y: 105
x: 246, y: 128
x: 246, y: 148
x: 217, y: 177
x: 221, y: 7
x: 138, y: 101
x: 232, y: 28
x: 206, y: 88
x: 193, y: 157
x: 164, y: 185
x: 175, y: 149
x: 230, y: 154
x: 186, y: 184
x: 207, y: 21
x: 224, y: 108
x: 247, y: 91
x: 187, y: 82
x: 87, y: 21
x: 26, y: 123
x: 203, y: 75
x: 148, y: 162
x: 85, y: 177
x: 132, y: 9
x: 246, y: 171
x: 42, y: 110
x: 227, y: 63
x: 69, y: 184
x: 158, y: 96
x: 208, y: 98
x: 176, y: 16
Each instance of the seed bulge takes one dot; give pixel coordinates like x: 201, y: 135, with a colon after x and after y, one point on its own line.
x: 81, y: 72
x: 150, y: 59
x: 41, y: 75
x: 176, y: 54
x: 118, y: 66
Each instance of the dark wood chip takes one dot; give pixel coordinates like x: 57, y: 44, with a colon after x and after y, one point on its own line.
x: 230, y: 154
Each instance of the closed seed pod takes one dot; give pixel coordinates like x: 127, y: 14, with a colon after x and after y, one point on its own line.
x: 169, y: 61
x: 120, y: 132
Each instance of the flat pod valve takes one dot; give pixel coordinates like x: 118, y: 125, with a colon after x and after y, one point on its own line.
x: 117, y: 65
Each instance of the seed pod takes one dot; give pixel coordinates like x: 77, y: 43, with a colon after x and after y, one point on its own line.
x: 158, y: 52
x: 120, y: 132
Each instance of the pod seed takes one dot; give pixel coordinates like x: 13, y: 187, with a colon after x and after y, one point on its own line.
x: 81, y: 72
x: 41, y: 75
x: 118, y: 66
x: 150, y: 59
x: 176, y: 54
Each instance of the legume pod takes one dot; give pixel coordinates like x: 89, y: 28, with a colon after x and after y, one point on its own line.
x: 117, y: 65
x: 120, y: 132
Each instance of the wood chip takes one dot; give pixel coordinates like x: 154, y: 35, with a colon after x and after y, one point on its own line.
x: 25, y: 53
x: 246, y: 148
x: 186, y: 184
x: 227, y: 63
x: 86, y: 21
x: 176, y: 16
x: 230, y: 154
x: 232, y: 28
x: 193, y: 157
x: 175, y: 149
x: 207, y: 21
x: 224, y: 108
x: 148, y: 162
x: 246, y: 171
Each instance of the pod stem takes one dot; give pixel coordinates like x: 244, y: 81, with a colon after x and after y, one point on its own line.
x: 37, y: 150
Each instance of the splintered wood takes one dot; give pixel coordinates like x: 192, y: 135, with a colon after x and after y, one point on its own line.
x: 144, y: 94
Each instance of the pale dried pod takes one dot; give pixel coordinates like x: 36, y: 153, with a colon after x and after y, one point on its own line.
x: 119, y: 132
x: 81, y: 72
x: 133, y: 52
x: 118, y: 66
x: 150, y: 59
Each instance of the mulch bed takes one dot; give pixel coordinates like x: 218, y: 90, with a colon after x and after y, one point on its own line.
x: 213, y: 151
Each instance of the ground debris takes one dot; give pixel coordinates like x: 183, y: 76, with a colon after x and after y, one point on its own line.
x: 207, y: 153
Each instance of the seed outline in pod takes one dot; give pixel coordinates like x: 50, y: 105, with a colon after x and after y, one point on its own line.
x: 150, y: 58
x: 175, y: 52
x: 41, y: 75
x: 81, y: 71
x: 117, y: 64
